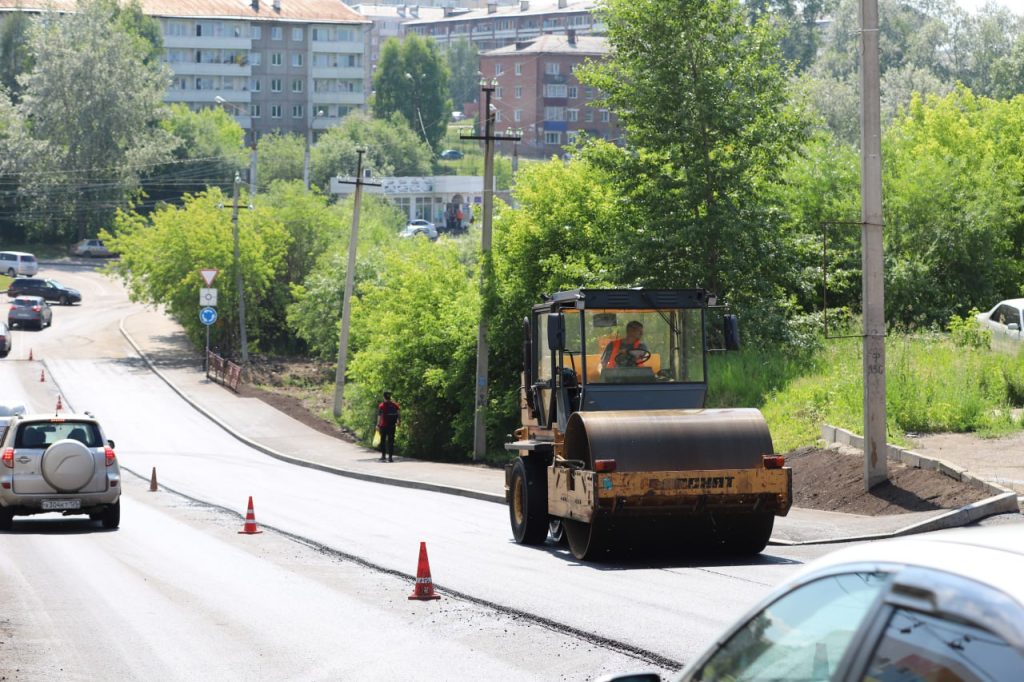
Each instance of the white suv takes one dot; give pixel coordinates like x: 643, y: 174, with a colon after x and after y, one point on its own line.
x: 61, y: 463
x: 18, y: 263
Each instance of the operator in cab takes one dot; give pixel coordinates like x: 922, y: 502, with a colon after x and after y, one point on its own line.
x: 626, y: 352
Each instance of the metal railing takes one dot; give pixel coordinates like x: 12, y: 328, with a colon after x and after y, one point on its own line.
x: 223, y: 371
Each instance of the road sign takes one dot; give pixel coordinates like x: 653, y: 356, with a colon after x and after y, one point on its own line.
x: 209, y: 274
x: 208, y: 297
x: 208, y: 315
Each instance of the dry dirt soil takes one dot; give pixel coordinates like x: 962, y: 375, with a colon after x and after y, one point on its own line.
x: 822, y: 479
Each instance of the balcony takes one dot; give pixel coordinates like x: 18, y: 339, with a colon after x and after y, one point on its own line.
x: 207, y: 42
x: 353, y: 98
x: 354, y: 72
x: 207, y: 69
x: 340, y: 47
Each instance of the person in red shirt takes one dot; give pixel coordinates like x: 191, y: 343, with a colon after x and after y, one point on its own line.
x: 388, y: 415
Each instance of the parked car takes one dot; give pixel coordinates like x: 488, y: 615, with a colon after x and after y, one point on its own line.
x: 5, y: 340
x: 420, y: 227
x: 1004, y: 319
x: 944, y: 606
x: 451, y: 155
x: 30, y: 311
x: 58, y: 463
x: 91, y: 248
x: 47, y: 289
x: 18, y: 263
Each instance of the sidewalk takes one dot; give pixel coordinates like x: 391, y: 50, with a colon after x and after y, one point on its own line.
x: 164, y: 346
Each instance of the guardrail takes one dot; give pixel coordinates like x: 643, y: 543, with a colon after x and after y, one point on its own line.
x: 223, y: 371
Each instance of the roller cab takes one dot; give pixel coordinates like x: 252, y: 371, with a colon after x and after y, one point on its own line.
x: 616, y: 447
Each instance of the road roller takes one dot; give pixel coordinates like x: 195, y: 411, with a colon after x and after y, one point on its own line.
x: 616, y: 449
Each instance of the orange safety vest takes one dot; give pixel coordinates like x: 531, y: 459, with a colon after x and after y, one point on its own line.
x: 616, y: 346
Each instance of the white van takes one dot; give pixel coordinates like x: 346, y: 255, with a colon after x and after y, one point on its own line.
x: 15, y: 263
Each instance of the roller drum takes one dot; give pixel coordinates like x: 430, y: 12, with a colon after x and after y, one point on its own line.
x: 669, y: 440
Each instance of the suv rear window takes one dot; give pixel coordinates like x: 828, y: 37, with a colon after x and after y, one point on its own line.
x: 44, y: 434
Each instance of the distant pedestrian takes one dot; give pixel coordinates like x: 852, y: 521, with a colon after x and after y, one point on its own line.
x: 388, y: 415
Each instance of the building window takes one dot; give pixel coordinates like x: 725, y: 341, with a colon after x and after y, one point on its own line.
x: 275, y: 111
x: 517, y: 115
x: 572, y: 115
x: 256, y: 32
x: 554, y: 113
x: 297, y: 85
x: 275, y: 85
x: 254, y: 110
x: 552, y: 137
x: 570, y: 136
x: 297, y: 33
x: 296, y: 59
x: 497, y: 92
x: 605, y: 117
x: 519, y: 68
x: 518, y: 91
x: 498, y: 70
x: 555, y: 90
x: 589, y: 93
x: 297, y: 111
x: 574, y: 92
x: 588, y: 116
x: 497, y: 116
x: 552, y: 68
x: 276, y: 33
x: 275, y: 59
x: 256, y: 58
x: 256, y: 85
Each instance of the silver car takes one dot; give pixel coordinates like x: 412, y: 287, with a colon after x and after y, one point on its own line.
x: 944, y: 606
x: 58, y: 463
x: 5, y: 340
x: 420, y: 227
x: 30, y: 311
x: 1004, y: 320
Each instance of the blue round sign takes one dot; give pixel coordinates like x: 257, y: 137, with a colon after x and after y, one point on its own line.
x: 208, y: 315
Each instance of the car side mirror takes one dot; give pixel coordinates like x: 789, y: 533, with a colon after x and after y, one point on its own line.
x: 731, y: 331
x: 1013, y: 327
x: 556, y: 331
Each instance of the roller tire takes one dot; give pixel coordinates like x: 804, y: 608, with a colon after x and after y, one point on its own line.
x: 587, y: 541
x: 747, y: 534
x: 528, y: 505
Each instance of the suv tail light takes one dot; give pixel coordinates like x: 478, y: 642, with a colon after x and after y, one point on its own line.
x: 8, y: 458
x: 108, y: 453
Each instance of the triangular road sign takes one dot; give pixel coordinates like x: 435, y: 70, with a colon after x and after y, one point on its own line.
x: 209, y: 275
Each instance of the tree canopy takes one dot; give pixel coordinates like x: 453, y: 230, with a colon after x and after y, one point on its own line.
x: 412, y: 79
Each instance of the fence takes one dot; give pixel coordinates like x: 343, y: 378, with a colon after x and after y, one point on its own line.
x: 223, y: 371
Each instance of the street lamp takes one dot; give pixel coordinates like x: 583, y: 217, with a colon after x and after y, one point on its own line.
x: 416, y: 104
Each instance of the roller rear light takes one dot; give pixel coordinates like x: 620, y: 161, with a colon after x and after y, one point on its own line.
x: 604, y: 465
x: 773, y: 461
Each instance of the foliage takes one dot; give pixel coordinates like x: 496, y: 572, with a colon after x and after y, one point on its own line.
x: 95, y: 100
x: 162, y: 253
x: 315, y: 314
x: 280, y: 156
x: 392, y: 148
x: 799, y: 22
x: 965, y: 332
x: 15, y: 53
x: 411, y: 78
x: 209, y: 152
x: 414, y: 330
x: 463, y: 60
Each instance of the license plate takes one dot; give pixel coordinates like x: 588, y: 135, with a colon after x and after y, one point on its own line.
x: 62, y: 504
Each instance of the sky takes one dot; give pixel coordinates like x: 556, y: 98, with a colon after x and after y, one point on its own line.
x: 1016, y: 6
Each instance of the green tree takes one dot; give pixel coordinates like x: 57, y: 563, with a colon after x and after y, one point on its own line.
x: 702, y: 95
x: 15, y: 53
x: 392, y: 148
x: 209, y: 151
x: 160, y: 254
x: 96, y: 102
x: 280, y: 156
x: 412, y: 79
x: 463, y: 59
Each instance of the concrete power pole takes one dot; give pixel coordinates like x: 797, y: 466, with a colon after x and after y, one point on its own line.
x: 480, y: 401
x: 875, y: 465
x: 243, y: 340
x: 350, y: 274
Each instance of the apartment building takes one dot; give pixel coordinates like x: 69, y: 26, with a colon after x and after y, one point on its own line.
x: 294, y: 66
x: 498, y: 25
x: 538, y: 93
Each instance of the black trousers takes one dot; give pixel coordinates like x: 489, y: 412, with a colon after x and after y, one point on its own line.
x: 387, y: 440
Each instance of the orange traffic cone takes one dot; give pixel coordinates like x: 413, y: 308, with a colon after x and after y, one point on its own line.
x: 424, y: 589
x: 250, y: 521
x: 42, y: 375
x: 59, y: 405
x: 152, y: 481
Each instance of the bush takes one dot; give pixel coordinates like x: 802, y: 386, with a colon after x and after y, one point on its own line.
x: 967, y: 333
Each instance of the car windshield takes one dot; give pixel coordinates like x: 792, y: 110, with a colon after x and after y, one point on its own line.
x: 25, y: 302
x: 55, y: 285
x: 45, y: 434
x: 637, y: 346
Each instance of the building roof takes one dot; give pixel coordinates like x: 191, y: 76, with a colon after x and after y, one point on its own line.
x: 313, y: 11
x: 533, y: 8
x: 392, y: 12
x: 555, y: 44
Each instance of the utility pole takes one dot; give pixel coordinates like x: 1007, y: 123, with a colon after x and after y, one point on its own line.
x: 350, y: 273
x: 480, y: 406
x: 875, y: 465
x: 238, y: 277
x: 252, y: 172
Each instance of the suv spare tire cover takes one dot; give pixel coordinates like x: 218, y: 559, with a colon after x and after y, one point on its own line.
x: 68, y: 465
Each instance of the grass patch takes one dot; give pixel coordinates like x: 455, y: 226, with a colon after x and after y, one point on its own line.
x: 932, y: 385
